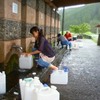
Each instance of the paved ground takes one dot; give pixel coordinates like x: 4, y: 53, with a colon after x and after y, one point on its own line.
x: 84, y: 73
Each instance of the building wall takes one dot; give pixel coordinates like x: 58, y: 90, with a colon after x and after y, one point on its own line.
x: 14, y: 27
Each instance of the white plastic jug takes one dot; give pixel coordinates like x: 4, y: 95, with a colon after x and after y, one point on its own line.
x: 36, y: 82
x: 59, y: 77
x: 80, y: 44
x: 2, y: 82
x: 30, y: 93
x: 74, y: 45
x: 25, y: 62
x: 29, y: 88
x: 47, y: 93
x: 22, y: 85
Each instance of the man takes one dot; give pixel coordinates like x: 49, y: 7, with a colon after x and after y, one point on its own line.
x: 68, y: 36
x: 64, y: 41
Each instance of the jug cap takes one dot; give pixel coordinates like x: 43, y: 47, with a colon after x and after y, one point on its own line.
x: 34, y: 73
x: 28, y: 79
x: 3, y: 72
x: 36, y: 78
x: 20, y: 80
x: 53, y: 87
x: 45, y: 85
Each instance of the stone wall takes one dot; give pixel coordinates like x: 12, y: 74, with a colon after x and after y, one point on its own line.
x: 15, y: 26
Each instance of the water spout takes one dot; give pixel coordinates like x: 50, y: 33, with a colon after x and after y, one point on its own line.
x: 18, y: 48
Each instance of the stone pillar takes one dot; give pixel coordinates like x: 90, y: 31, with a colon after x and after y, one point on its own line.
x: 28, y: 17
x: 41, y: 14
x: 48, y: 22
x: 51, y: 26
x: 37, y: 12
x: 98, y: 40
x: 45, y: 19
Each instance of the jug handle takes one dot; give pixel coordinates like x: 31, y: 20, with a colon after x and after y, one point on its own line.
x: 44, y: 89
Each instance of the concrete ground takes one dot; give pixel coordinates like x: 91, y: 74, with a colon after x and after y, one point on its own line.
x: 84, y: 73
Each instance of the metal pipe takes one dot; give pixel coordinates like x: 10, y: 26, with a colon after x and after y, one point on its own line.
x: 19, y: 48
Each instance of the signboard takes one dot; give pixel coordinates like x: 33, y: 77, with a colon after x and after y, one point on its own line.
x: 15, y: 8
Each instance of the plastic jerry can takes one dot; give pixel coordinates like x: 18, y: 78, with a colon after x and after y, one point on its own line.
x: 75, y: 45
x: 59, y: 77
x: 80, y: 44
x: 29, y: 88
x: 25, y: 62
x: 2, y: 82
x: 48, y: 93
x: 30, y: 92
x: 37, y: 84
x: 22, y: 84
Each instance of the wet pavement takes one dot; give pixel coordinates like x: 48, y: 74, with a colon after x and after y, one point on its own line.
x: 84, y: 73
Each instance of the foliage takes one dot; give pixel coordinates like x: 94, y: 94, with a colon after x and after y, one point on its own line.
x: 87, y: 14
x: 12, y: 64
x: 82, y: 28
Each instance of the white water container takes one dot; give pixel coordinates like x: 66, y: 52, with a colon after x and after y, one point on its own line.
x: 75, y: 45
x: 22, y: 85
x: 29, y: 88
x: 48, y: 93
x: 80, y: 44
x: 2, y: 82
x: 37, y: 84
x: 25, y: 62
x: 59, y: 77
x: 30, y: 93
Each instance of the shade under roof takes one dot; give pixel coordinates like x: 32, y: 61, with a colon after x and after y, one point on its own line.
x: 62, y: 3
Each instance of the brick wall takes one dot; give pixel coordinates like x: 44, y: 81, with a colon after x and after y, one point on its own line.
x: 14, y: 27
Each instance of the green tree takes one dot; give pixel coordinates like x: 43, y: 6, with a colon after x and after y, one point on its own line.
x: 80, y: 29
x: 74, y: 28
x: 85, y: 27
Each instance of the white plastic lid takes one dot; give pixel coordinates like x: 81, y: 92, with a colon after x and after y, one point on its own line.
x: 34, y: 73
x: 36, y: 78
x: 3, y: 72
x: 53, y: 87
x: 20, y: 80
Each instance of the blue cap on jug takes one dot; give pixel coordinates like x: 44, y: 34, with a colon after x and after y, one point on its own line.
x: 65, y: 69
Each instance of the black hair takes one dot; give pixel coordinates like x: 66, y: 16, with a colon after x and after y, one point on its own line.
x: 40, y: 31
x: 58, y: 35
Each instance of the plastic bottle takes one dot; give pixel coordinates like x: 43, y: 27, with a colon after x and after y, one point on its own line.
x: 2, y: 82
x: 47, y: 93
x: 59, y: 77
x: 29, y: 92
x: 22, y: 85
x: 25, y: 62
x: 36, y: 82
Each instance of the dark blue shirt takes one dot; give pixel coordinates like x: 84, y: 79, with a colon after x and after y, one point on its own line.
x: 45, y: 47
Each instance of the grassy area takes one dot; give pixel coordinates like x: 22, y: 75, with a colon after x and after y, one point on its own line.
x: 94, y: 36
x: 95, y: 40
